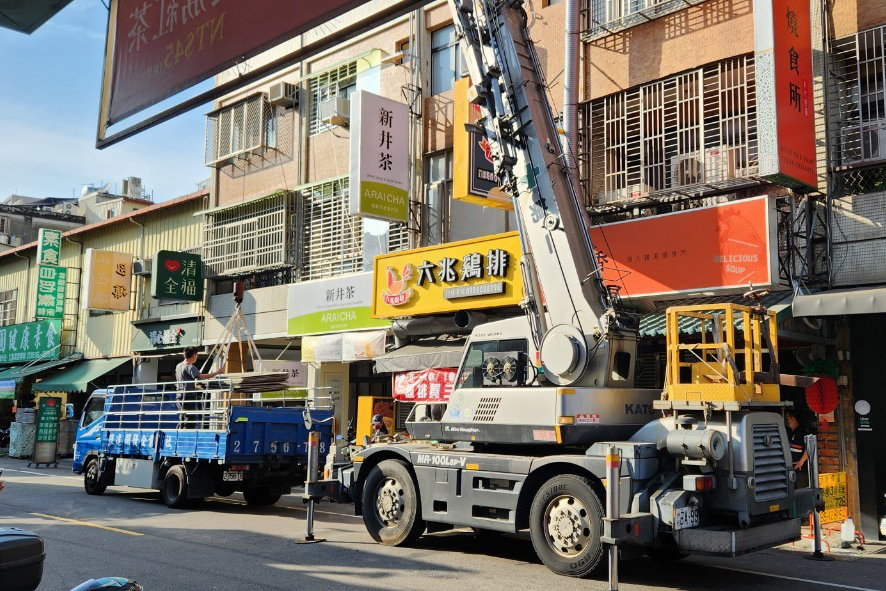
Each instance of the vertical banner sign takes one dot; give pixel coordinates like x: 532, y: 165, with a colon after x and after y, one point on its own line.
x: 30, y: 341
x: 49, y: 246
x: 786, y: 112
x: 833, y: 489
x: 49, y: 412
x: 108, y: 280
x: 379, y: 157
x: 51, y: 284
x: 177, y: 276
x: 473, y: 177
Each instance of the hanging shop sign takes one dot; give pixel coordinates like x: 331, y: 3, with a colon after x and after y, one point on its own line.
x: 379, y: 183
x: 340, y: 304
x: 473, y: 174
x: 7, y: 389
x: 296, y: 371
x: 725, y: 247
x: 833, y: 489
x: 177, y: 276
x: 30, y: 341
x: 424, y: 385
x: 478, y: 273
x: 49, y: 246
x: 785, y: 102
x: 166, y: 335
x: 343, y: 347
x: 51, y: 284
x: 156, y: 49
x: 108, y: 280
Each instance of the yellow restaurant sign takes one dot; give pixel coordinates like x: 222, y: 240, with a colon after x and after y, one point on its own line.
x: 478, y: 273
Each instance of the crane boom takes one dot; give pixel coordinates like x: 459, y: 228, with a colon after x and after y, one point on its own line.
x: 575, y: 323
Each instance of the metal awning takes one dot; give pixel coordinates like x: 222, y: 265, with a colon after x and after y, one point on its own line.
x: 654, y: 325
x: 77, y: 377
x: 843, y: 302
x: 20, y: 372
x: 26, y: 17
x: 431, y: 353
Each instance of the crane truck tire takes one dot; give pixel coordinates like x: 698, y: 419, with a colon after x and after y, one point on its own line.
x: 566, y: 526
x: 391, y: 507
x: 92, y: 480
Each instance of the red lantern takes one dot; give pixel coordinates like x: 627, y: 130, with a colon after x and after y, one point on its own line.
x: 822, y: 396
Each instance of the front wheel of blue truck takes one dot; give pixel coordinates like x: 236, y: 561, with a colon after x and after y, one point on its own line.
x: 92, y: 478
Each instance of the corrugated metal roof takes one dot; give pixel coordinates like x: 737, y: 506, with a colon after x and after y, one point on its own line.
x: 655, y: 325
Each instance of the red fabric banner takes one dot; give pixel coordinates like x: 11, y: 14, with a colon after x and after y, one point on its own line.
x: 425, y: 385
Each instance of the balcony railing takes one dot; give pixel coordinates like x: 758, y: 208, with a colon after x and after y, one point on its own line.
x: 605, y: 17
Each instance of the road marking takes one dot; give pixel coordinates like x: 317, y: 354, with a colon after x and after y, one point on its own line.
x: 787, y: 578
x: 87, y: 524
x: 37, y: 473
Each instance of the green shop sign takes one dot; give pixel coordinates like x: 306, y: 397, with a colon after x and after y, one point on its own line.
x: 51, y: 283
x: 30, y: 341
x: 48, y: 415
x: 340, y: 304
x: 49, y: 246
x: 177, y: 276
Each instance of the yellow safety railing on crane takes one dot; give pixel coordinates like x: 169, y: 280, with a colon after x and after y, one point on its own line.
x: 728, y: 362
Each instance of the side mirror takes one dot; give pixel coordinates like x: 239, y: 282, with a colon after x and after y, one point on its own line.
x: 69, y: 411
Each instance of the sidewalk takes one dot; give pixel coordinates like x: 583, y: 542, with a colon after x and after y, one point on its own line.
x: 831, y: 543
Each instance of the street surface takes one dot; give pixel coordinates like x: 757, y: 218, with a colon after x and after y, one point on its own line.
x: 227, y: 546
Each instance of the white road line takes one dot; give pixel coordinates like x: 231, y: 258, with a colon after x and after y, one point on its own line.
x: 787, y: 578
x: 37, y: 473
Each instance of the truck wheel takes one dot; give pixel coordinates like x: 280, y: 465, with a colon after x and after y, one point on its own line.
x: 259, y: 497
x: 566, y: 524
x: 391, y: 506
x: 175, y: 488
x: 92, y: 480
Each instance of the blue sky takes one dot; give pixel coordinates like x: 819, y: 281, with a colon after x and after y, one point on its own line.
x: 49, y: 92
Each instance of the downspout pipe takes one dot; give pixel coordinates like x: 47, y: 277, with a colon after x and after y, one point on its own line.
x: 571, y: 77
x: 27, y: 284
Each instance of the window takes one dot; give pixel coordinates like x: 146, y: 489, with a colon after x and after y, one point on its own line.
x: 257, y: 235
x: 447, y: 63
x: 552, y: 2
x: 403, y: 47
x: 94, y: 410
x: 693, y: 133
x: 858, y: 64
x: 4, y: 225
x: 8, y: 301
x: 337, y: 243
x: 340, y: 81
x: 237, y: 130
x: 471, y: 374
x: 448, y: 220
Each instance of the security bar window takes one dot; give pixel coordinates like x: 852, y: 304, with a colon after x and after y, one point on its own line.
x: 4, y: 225
x: 605, y: 17
x: 340, y: 81
x: 692, y: 134
x: 8, y: 301
x: 237, y: 130
x: 337, y: 243
x: 859, y: 92
x: 447, y: 63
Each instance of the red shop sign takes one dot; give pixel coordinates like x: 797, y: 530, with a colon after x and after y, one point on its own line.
x: 424, y: 385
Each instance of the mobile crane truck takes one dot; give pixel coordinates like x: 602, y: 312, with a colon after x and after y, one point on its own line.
x: 522, y: 442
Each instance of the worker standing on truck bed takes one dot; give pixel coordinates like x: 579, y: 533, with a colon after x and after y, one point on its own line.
x: 188, y: 397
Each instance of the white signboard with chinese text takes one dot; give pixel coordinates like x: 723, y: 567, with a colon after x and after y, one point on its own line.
x: 296, y: 370
x: 379, y: 172
x: 339, y: 304
x: 108, y: 280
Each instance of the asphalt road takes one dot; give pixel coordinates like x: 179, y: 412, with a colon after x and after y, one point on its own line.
x: 228, y: 546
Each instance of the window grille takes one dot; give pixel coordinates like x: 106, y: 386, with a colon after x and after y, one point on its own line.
x: 335, y: 82
x: 690, y: 134
x: 8, y: 301
x: 238, y: 130
x: 4, y: 225
x: 257, y: 235
x: 858, y: 91
x: 605, y: 17
x: 332, y: 238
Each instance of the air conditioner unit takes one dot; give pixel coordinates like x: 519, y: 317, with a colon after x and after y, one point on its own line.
x: 141, y: 267
x: 283, y: 94
x: 15, y: 240
x: 335, y: 111
x: 686, y: 169
x: 4, y: 239
x: 720, y: 163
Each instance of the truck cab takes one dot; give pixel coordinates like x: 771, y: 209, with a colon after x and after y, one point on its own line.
x: 89, y: 430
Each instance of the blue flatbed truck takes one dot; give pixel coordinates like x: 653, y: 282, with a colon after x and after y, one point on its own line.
x: 143, y: 436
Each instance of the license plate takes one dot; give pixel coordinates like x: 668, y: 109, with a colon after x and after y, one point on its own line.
x: 232, y: 476
x: 686, y: 517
